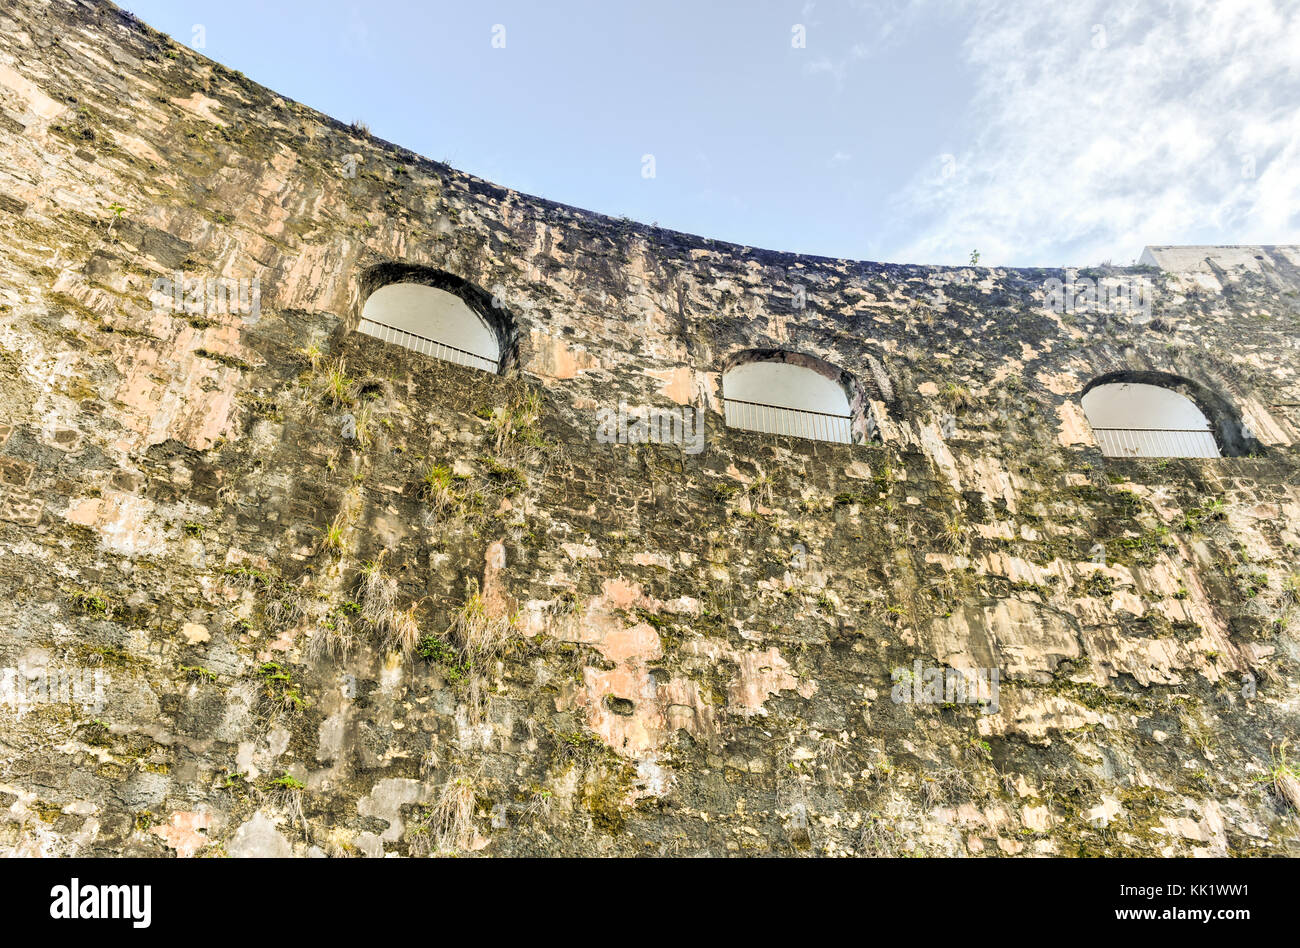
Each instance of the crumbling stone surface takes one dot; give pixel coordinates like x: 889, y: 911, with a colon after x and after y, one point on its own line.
x: 341, y: 598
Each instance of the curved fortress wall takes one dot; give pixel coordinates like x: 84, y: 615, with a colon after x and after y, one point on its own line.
x: 272, y: 585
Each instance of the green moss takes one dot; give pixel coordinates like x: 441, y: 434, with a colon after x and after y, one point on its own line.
x: 654, y: 620
x: 604, y: 799
x: 266, y: 408
x: 92, y: 601
x: 436, y: 650
x: 97, y: 733
x: 287, y: 781
x: 1143, y: 547
x: 724, y: 492
x: 249, y: 575
x: 1194, y: 519
x: 227, y: 360
x: 279, y: 686
x: 1098, y: 585
x: 511, y: 479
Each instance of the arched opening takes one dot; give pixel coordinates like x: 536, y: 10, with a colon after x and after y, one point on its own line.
x: 434, y: 313
x: 791, y: 394
x: 1149, y: 415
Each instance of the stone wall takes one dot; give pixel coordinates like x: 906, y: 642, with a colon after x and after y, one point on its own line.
x: 338, y: 597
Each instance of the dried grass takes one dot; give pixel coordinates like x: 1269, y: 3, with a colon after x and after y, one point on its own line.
x: 448, y: 825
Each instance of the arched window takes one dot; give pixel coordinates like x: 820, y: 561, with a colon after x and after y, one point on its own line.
x: 1143, y: 420
x: 435, y: 314
x: 789, y: 394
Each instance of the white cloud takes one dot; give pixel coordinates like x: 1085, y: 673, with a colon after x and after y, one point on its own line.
x: 1078, y: 151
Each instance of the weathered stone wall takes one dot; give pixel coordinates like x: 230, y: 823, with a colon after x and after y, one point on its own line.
x: 697, y: 649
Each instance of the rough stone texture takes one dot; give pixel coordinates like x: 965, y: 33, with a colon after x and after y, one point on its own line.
x: 699, y: 647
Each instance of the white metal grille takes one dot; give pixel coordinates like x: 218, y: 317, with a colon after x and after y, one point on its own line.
x: 432, y: 347
x: 1157, y: 442
x: 773, y: 419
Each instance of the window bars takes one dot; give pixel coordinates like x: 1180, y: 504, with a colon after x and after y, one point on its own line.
x: 774, y: 419
x: 432, y: 347
x: 1157, y: 442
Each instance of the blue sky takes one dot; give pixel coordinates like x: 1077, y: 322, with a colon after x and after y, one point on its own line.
x: 910, y: 131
